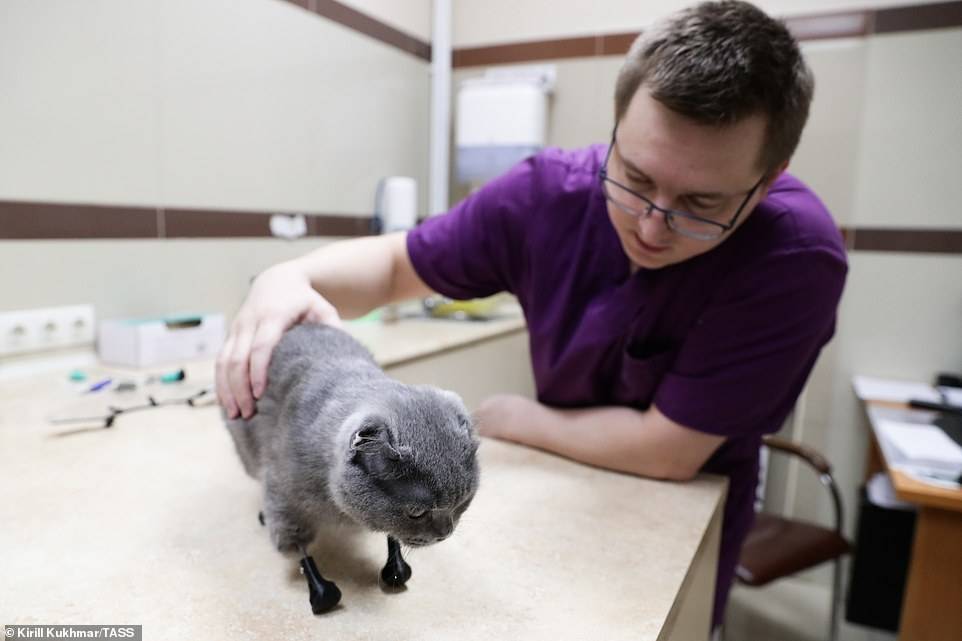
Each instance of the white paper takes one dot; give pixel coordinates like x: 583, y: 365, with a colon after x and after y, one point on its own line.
x: 953, y: 395
x: 925, y: 446
x: 879, y: 389
x: 882, y: 493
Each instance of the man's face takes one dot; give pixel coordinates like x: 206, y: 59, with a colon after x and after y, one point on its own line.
x: 682, y: 165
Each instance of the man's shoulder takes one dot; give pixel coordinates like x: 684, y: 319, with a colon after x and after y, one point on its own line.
x: 542, y: 179
x: 569, y: 168
x: 792, y: 218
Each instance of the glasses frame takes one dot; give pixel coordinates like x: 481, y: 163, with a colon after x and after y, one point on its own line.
x: 669, y: 214
x: 105, y: 421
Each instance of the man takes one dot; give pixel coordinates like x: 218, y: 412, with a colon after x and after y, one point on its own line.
x: 677, y: 284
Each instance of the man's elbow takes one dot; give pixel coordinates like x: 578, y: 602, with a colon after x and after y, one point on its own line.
x: 674, y: 470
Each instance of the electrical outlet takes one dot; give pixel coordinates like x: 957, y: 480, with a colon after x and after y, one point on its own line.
x: 35, y: 330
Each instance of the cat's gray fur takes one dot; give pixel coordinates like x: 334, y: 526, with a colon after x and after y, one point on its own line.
x: 335, y: 437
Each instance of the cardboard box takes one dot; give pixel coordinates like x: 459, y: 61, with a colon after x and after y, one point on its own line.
x: 146, y: 342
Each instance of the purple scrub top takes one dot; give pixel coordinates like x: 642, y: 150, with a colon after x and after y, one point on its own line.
x: 720, y: 343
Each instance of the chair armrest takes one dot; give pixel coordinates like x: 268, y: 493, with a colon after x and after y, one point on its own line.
x: 811, y: 457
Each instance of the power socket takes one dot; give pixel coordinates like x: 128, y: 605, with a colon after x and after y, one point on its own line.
x: 36, y: 330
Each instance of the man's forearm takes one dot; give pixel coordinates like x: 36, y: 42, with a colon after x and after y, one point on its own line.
x: 360, y: 274
x: 609, y: 437
x: 616, y: 438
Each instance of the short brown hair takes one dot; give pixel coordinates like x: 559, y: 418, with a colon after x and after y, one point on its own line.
x: 719, y: 62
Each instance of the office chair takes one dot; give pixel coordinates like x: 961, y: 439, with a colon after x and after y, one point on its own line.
x: 777, y: 547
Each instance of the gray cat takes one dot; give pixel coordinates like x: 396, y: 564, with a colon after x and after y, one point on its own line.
x: 335, y: 438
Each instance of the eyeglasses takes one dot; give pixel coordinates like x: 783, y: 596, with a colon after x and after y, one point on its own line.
x: 685, y: 223
x: 106, y: 419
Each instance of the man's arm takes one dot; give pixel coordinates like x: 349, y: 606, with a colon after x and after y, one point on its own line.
x: 349, y: 277
x: 360, y: 274
x: 645, y: 443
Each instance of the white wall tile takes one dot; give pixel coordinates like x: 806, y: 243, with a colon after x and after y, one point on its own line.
x: 79, y: 110
x: 911, y: 148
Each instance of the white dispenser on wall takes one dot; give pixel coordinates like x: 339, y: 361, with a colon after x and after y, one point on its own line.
x: 502, y: 117
x: 395, y: 204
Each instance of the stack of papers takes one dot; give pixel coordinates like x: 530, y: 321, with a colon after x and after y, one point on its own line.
x: 882, y: 389
x: 879, y: 389
x: 925, y: 448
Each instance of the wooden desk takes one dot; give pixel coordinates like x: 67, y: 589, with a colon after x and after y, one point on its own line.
x: 932, y: 606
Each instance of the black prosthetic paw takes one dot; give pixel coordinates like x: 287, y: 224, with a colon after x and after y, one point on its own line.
x: 396, y: 571
x: 324, y: 594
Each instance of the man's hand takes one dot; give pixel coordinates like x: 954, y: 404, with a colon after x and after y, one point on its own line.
x: 503, y: 416
x: 280, y: 298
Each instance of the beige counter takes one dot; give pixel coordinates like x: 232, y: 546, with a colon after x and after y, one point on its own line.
x: 411, y: 339
x: 153, y: 522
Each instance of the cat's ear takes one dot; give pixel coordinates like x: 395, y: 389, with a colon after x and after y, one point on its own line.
x: 375, y: 437
x: 467, y: 425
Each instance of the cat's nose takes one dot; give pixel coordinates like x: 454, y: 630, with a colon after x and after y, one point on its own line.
x: 443, y: 527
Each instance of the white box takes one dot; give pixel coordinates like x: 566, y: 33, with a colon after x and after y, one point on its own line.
x: 145, y: 342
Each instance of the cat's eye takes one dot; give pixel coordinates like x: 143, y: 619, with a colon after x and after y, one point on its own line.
x: 415, y: 513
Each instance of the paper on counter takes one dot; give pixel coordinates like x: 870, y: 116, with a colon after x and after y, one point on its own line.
x: 881, y: 492
x: 879, y: 389
x: 953, y: 395
x: 924, y: 446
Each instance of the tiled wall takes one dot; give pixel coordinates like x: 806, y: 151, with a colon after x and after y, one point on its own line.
x: 123, y: 278
x: 211, y: 104
x: 901, y: 315
x: 139, y: 119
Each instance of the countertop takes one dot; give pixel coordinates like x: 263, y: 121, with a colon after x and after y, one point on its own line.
x: 419, y: 337
x: 153, y: 522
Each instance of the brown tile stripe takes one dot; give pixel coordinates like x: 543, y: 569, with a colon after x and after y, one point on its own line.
x: 34, y: 221
x: 194, y: 223
x: 617, y: 43
x: 369, y: 26
x: 22, y: 220
x: 526, y: 51
x: 937, y: 241
x: 848, y: 237
x: 818, y: 26
x: 830, y: 25
x: 918, y: 17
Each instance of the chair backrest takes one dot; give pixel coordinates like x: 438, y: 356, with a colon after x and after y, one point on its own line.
x: 814, y: 460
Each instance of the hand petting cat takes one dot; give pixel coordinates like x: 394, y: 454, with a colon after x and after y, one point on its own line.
x: 280, y: 298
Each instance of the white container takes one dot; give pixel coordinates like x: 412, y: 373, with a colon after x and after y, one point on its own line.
x: 502, y: 117
x: 396, y: 203
x: 146, y: 342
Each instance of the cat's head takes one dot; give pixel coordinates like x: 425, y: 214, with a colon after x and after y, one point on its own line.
x: 409, y: 465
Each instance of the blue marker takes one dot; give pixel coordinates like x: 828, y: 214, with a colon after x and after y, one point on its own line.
x: 99, y: 385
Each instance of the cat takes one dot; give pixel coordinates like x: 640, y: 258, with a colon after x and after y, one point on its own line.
x: 334, y: 437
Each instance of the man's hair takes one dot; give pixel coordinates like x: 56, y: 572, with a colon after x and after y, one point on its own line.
x: 719, y: 62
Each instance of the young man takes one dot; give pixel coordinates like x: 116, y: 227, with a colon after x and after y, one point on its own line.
x: 677, y: 284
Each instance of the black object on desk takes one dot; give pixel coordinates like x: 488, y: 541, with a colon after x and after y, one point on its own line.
x: 945, y: 408
x: 951, y: 424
